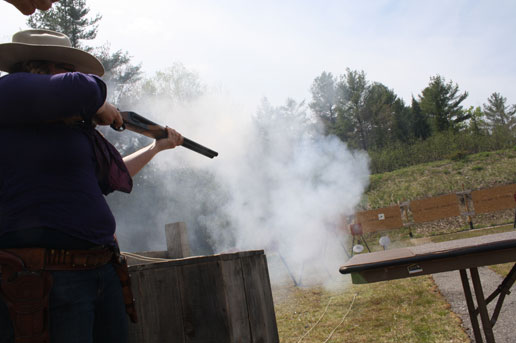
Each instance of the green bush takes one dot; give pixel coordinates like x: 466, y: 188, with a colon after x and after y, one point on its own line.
x: 445, y: 145
x: 458, y: 155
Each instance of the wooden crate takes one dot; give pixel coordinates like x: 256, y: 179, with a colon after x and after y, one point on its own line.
x: 218, y: 298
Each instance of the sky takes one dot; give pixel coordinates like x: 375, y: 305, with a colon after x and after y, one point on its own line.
x: 275, y: 49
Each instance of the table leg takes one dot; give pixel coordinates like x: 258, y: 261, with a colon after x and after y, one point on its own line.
x: 482, y: 306
x: 471, y: 306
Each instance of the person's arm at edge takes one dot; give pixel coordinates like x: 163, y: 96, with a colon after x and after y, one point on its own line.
x: 36, y: 98
x: 28, y: 7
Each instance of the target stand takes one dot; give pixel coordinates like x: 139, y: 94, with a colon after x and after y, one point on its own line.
x: 358, y: 236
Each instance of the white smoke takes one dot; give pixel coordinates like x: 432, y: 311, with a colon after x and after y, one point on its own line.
x: 285, y: 186
x: 279, y: 184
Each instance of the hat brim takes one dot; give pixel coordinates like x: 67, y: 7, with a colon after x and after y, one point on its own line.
x: 12, y: 53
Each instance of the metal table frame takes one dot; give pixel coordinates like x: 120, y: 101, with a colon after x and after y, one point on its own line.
x: 500, y: 293
x: 433, y: 258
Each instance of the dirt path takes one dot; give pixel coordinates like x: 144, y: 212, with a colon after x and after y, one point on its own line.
x: 450, y: 285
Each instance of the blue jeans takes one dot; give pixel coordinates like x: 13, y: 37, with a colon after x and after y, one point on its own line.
x: 85, y: 307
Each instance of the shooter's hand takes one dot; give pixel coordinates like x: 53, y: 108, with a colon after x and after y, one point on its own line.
x: 172, y: 140
x: 108, y: 114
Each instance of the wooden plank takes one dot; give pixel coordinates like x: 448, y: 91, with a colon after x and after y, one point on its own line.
x: 432, y: 258
x: 260, y: 305
x: 494, y: 199
x: 232, y: 275
x: 433, y: 266
x: 158, y: 306
x: 204, y: 303
x: 196, y: 259
x: 177, y: 240
x: 430, y: 209
x: 386, y: 218
x: 490, y: 240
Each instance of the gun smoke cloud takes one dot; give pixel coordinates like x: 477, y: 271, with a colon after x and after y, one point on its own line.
x: 278, y: 184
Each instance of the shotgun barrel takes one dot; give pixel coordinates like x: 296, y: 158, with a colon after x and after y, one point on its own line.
x: 137, y: 123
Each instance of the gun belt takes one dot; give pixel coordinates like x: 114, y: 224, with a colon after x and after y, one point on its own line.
x: 62, y: 259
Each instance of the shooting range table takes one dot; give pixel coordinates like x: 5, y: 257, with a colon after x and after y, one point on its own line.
x: 461, y: 254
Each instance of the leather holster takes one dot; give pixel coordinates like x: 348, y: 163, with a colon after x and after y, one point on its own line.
x: 122, y: 270
x: 26, y: 293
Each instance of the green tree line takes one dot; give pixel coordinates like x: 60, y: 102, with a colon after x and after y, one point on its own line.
x: 370, y: 116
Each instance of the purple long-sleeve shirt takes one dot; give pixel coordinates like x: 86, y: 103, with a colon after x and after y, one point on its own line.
x: 48, y: 169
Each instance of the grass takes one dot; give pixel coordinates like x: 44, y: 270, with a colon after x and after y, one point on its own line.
x: 406, y: 310
x: 502, y: 269
x: 471, y: 233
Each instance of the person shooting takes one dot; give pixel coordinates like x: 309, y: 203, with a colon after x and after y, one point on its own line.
x: 57, y: 232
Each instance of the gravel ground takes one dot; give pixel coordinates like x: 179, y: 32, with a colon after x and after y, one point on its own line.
x: 450, y: 286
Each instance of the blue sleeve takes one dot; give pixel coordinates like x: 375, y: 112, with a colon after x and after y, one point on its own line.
x: 38, y: 98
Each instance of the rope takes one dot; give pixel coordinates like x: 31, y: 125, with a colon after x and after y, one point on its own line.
x: 306, y: 333
x: 145, y: 258
x: 342, y: 321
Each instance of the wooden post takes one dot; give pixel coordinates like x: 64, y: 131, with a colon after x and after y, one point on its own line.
x: 177, y: 240
x: 405, y: 206
x: 465, y: 197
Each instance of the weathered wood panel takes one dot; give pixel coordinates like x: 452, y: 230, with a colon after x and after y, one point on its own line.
x: 386, y: 218
x: 204, y: 305
x: 494, y: 199
x: 158, y: 306
x: 239, y: 326
x: 259, y: 300
x: 177, y: 240
x: 210, y: 299
x: 430, y: 209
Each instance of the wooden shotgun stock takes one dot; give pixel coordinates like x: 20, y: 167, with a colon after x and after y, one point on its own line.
x: 135, y: 122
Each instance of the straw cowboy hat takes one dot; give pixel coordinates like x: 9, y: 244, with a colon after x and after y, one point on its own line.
x: 46, y: 45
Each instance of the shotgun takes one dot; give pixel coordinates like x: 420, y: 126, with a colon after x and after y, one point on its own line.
x: 135, y: 122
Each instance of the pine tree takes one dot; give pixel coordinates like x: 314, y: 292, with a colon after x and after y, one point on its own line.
x: 68, y: 17
x: 420, y: 127
x: 441, y: 102
x: 120, y: 74
x: 477, y: 124
x: 379, y: 108
x: 71, y: 18
x: 402, y: 122
x: 324, y: 99
x: 498, y: 113
x: 353, y: 89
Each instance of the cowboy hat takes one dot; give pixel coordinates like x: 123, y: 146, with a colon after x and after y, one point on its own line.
x: 46, y: 45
